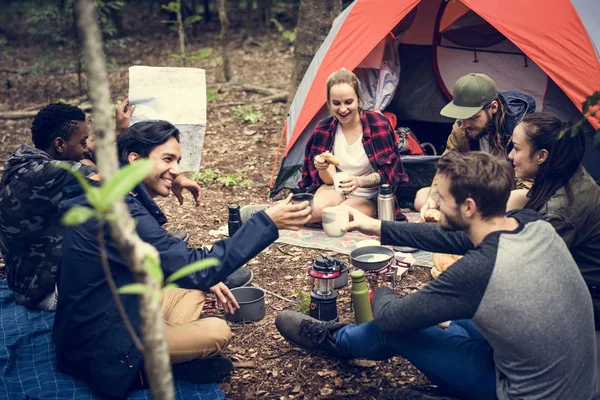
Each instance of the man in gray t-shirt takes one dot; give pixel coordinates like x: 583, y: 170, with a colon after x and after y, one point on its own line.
x: 522, y: 320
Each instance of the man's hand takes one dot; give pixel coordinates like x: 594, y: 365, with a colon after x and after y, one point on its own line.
x: 363, y: 223
x: 430, y: 204
x: 188, y: 184
x: 123, y: 115
x: 286, y: 215
x: 225, y: 298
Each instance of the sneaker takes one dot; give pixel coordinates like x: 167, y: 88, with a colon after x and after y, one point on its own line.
x: 411, y: 394
x: 203, y: 370
x: 241, y: 277
x: 308, y: 332
x: 183, y: 235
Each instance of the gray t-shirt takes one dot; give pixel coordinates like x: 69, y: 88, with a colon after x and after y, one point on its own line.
x: 524, y: 292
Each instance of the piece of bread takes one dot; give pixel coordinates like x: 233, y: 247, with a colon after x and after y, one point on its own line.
x: 442, y: 261
x: 433, y: 215
x: 329, y: 158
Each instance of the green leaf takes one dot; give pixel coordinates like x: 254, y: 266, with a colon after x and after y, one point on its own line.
x: 193, y: 267
x: 135, y: 288
x: 153, y: 266
x: 94, y: 197
x: 170, y: 286
x: 562, y: 133
x: 91, y: 193
x: 585, y: 106
x: 594, y: 98
x: 124, y: 181
x: 191, y: 20
x: 80, y: 178
x: 576, y: 128
x: 77, y: 215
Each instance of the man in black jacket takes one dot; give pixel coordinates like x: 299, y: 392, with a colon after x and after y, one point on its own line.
x: 91, y: 341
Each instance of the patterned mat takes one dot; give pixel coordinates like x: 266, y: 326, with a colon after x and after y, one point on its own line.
x: 317, y: 239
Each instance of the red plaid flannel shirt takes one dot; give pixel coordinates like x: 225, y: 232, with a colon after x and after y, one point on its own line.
x: 379, y: 144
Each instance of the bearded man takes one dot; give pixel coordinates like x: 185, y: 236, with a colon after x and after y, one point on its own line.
x: 485, y: 119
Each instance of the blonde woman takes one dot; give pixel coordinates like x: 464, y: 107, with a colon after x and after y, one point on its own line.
x: 362, y: 144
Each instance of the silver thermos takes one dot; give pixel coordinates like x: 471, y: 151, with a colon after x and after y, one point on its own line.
x: 385, y: 203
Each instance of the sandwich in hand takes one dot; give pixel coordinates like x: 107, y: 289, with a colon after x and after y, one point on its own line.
x: 327, y: 157
x: 433, y: 215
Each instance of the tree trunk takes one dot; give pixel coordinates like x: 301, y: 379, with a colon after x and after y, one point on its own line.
x: 132, y: 248
x: 249, y: 31
x: 207, y: 14
x: 264, y: 13
x: 314, y: 22
x: 117, y: 20
x: 181, y: 31
x: 77, y: 54
x: 224, y: 38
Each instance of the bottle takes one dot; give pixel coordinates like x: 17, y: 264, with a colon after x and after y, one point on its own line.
x: 361, y: 299
x: 385, y: 203
x: 234, y: 222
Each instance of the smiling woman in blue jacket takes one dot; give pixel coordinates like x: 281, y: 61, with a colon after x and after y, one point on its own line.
x: 91, y: 340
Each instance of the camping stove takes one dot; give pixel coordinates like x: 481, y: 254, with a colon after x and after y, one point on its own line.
x: 323, y: 297
x: 387, y: 274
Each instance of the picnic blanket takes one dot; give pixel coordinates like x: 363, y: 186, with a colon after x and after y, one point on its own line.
x: 28, y: 363
x: 317, y: 239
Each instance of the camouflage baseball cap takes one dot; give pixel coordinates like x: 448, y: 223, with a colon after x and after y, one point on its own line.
x: 471, y: 93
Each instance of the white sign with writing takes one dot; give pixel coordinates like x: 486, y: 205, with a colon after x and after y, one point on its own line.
x: 177, y: 95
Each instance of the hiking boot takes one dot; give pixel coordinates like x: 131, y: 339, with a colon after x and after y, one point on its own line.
x: 308, y: 332
x: 241, y: 277
x: 182, y: 235
x: 203, y: 370
x: 411, y: 394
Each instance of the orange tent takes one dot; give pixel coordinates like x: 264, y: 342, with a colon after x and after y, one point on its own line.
x: 547, y: 49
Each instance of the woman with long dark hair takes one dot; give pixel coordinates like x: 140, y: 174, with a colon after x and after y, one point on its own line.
x: 563, y: 192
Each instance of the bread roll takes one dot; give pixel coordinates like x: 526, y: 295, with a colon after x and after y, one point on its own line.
x: 329, y: 158
x: 441, y: 262
x: 433, y: 215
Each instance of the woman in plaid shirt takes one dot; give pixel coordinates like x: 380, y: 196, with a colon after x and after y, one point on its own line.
x: 363, y: 143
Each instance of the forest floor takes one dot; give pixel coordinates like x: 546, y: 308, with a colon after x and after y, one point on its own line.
x: 267, y: 367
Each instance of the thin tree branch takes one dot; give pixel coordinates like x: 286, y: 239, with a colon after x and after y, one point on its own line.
x: 273, y: 294
x: 134, y: 251
x: 114, y: 290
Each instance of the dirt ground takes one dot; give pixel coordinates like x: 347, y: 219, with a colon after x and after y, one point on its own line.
x: 267, y: 367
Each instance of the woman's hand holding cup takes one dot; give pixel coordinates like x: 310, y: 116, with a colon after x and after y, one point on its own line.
x: 349, y: 185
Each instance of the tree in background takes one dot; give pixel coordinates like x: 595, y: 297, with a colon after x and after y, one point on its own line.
x: 224, y: 38
x: 314, y: 22
x: 180, y: 24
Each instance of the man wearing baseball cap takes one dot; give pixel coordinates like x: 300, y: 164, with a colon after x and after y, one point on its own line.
x: 485, y: 119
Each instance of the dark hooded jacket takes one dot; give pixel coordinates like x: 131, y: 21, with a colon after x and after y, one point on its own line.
x: 30, y: 232
x: 91, y: 340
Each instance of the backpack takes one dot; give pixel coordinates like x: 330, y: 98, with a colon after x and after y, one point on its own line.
x: 408, y: 143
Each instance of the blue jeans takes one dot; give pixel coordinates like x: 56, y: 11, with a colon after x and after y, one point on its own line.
x: 458, y: 360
